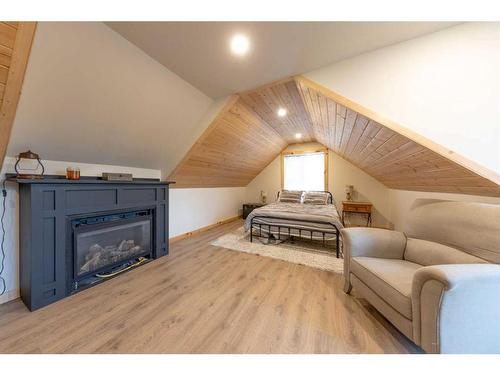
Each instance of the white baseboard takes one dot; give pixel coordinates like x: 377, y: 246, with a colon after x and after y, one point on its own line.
x: 9, y: 296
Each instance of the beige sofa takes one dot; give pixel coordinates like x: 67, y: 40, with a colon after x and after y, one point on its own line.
x: 439, y: 281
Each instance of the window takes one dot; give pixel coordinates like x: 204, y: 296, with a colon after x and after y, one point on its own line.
x: 305, y: 171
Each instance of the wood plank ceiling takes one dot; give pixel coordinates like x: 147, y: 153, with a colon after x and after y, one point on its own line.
x: 234, y: 149
x: 249, y: 134
x: 266, y: 100
x: 392, y: 158
x: 8, y: 32
x: 15, y: 47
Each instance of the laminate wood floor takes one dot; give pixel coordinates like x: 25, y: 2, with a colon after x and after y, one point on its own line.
x: 205, y: 299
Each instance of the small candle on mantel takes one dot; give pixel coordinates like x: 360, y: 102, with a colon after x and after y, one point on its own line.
x: 73, y: 173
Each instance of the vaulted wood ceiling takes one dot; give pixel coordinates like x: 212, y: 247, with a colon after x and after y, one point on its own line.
x: 396, y: 160
x: 15, y: 47
x: 266, y: 100
x: 247, y: 135
x: 226, y: 153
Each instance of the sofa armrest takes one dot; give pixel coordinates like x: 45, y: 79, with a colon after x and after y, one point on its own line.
x: 370, y: 242
x: 456, y: 308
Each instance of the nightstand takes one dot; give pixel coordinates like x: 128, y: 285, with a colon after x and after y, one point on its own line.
x: 364, y: 208
x: 249, y: 207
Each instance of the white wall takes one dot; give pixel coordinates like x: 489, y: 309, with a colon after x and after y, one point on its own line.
x: 444, y: 86
x: 269, y: 181
x: 11, y: 246
x: 340, y: 173
x: 191, y: 209
x: 92, y: 96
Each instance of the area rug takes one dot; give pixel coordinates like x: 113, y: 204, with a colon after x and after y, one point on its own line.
x: 300, y: 252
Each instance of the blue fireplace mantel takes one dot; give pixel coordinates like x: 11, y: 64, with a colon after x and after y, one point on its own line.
x: 47, y: 206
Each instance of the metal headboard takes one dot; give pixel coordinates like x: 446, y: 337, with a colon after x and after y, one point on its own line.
x: 330, y: 196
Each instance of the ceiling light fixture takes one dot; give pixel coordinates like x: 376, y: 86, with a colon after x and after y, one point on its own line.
x: 240, y: 44
x: 282, y: 112
x: 298, y: 136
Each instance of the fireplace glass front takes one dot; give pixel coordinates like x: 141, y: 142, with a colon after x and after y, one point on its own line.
x: 100, y: 246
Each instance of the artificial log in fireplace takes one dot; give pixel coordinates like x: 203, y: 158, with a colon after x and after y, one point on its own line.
x: 105, y: 245
x: 74, y: 234
x: 101, y: 246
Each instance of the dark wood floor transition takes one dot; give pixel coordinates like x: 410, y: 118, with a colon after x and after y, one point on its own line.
x: 205, y: 299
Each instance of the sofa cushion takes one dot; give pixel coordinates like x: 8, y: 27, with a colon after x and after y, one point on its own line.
x: 390, y: 279
x: 429, y: 253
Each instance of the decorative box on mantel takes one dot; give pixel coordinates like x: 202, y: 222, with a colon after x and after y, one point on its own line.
x: 74, y: 231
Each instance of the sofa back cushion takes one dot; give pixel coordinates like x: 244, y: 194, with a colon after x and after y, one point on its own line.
x: 468, y: 226
x: 427, y: 253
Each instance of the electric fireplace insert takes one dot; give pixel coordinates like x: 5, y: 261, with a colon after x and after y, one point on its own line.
x: 107, y: 243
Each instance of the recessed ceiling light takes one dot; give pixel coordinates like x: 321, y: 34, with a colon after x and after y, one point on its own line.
x: 240, y: 44
x: 298, y: 136
x: 282, y: 112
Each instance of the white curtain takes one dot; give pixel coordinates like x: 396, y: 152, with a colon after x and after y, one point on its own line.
x: 304, y: 172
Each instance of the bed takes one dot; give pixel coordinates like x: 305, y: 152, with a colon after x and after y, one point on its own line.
x: 288, y: 220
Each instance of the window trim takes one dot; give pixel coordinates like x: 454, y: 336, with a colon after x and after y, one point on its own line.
x: 315, y: 150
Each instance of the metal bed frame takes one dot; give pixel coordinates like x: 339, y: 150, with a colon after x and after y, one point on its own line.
x: 289, y: 228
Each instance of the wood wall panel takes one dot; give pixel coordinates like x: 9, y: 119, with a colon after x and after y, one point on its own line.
x: 397, y: 160
x: 234, y: 149
x: 15, y: 46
